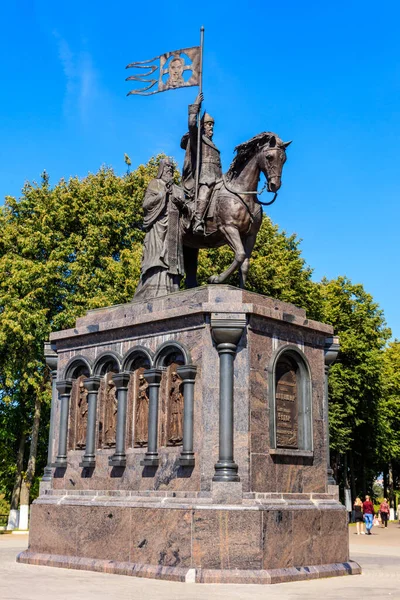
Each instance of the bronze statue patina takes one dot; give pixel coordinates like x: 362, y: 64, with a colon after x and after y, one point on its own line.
x: 223, y: 209
x: 210, y: 170
x: 227, y: 204
x: 162, y: 264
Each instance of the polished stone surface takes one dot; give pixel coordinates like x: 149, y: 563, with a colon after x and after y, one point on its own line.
x: 174, y: 522
x: 378, y: 554
x: 264, y: 534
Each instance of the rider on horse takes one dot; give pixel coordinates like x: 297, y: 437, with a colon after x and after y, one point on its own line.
x: 210, y: 162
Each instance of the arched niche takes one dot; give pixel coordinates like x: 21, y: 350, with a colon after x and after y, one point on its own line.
x: 136, y: 361
x: 106, y: 362
x: 134, y: 356
x: 77, y: 366
x: 290, y: 400
x: 77, y: 369
x: 106, y: 365
x: 164, y: 352
x: 169, y: 357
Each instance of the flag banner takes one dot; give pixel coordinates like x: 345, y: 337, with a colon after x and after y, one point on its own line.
x: 172, y: 70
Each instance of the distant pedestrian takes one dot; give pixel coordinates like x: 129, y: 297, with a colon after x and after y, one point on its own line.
x: 368, y: 511
x: 384, y: 510
x: 358, y: 516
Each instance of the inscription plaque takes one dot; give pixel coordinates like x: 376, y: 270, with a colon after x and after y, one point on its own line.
x: 286, y: 405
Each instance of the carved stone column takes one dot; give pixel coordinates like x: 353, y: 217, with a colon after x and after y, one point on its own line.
x: 121, y: 380
x: 188, y: 374
x: 153, y: 378
x: 331, y: 349
x: 92, y: 385
x: 64, y: 392
x: 51, y: 361
x: 226, y: 334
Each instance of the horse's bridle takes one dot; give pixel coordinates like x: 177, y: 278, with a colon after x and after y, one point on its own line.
x: 256, y: 192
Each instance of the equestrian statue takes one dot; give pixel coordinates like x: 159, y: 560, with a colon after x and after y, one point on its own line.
x: 214, y: 208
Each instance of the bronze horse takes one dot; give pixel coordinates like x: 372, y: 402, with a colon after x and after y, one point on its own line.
x: 237, y: 215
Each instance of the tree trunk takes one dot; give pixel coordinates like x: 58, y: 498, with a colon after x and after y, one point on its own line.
x: 385, y: 481
x: 30, y: 471
x: 15, y: 496
x: 391, y: 494
x: 363, y: 478
x: 352, y: 479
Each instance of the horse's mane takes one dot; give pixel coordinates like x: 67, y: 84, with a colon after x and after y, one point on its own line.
x: 245, y: 151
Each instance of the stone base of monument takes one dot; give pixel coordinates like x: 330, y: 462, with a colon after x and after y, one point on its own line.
x: 229, y: 481
x: 270, y: 538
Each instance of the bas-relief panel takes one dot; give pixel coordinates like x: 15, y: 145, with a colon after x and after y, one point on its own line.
x: 171, y: 402
x: 140, y: 400
x: 108, y: 412
x: 78, y: 415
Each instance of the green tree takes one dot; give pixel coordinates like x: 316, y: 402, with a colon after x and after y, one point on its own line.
x: 355, y: 379
x: 389, y: 418
x: 63, y: 250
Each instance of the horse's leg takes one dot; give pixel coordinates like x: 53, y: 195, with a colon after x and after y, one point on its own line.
x: 190, y: 256
x: 234, y: 240
x: 248, y: 244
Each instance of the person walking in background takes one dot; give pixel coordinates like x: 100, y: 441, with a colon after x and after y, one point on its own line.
x: 358, y: 516
x: 384, y: 512
x: 368, y: 510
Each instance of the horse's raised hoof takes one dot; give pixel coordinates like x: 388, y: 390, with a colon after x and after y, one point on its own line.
x: 214, y: 279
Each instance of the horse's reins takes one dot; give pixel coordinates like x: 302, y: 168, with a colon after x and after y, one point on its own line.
x: 256, y: 192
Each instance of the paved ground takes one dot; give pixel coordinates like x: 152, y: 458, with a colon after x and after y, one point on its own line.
x: 378, y: 554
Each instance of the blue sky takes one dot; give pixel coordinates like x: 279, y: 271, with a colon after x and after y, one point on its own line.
x: 326, y: 75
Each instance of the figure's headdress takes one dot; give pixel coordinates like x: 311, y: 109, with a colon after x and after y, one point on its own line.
x: 206, y: 118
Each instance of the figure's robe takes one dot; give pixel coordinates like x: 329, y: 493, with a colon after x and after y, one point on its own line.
x: 162, y: 263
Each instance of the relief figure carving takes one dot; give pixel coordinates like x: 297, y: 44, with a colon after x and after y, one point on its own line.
x: 111, y: 409
x: 82, y: 411
x: 175, y: 410
x: 142, y: 413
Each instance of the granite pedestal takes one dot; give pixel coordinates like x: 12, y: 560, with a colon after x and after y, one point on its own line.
x: 244, y: 496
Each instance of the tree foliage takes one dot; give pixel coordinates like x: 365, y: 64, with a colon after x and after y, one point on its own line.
x: 63, y: 250
x: 389, y: 405
x: 355, y: 379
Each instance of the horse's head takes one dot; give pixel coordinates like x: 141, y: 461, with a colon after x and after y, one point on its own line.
x: 265, y: 153
x: 271, y: 158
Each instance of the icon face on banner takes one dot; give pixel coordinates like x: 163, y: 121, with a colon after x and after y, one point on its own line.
x: 172, y: 70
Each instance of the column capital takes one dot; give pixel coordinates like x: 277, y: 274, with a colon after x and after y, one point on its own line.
x: 153, y: 376
x: 227, y: 331
x: 187, y: 372
x: 331, y: 350
x: 121, y: 380
x: 51, y: 357
x: 64, y: 387
x: 92, y: 384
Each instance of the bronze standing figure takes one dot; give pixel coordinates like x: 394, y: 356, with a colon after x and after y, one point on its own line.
x: 210, y: 170
x: 162, y: 264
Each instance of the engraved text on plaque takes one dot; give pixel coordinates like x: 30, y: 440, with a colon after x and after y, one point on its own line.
x: 286, y: 405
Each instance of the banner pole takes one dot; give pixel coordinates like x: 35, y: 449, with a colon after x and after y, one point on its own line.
x: 198, y: 153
